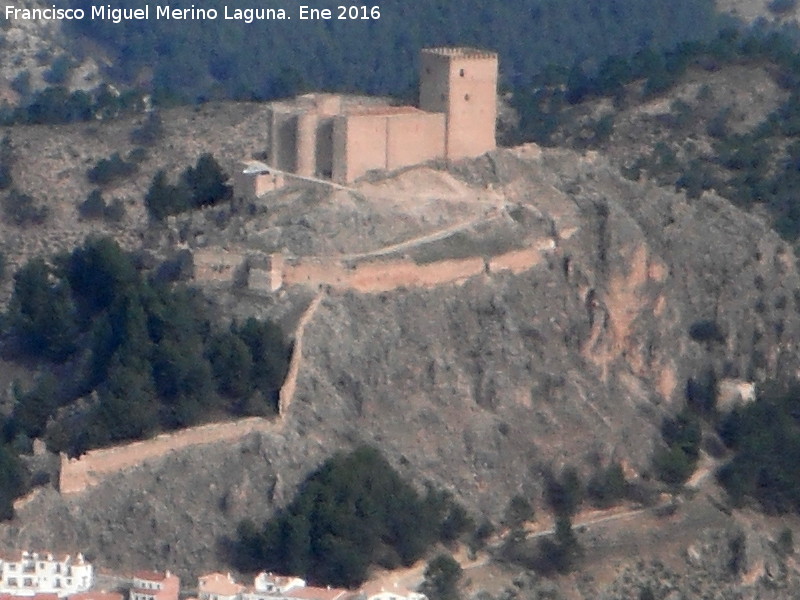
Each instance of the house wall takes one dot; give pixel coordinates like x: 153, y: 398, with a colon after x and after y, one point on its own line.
x: 43, y: 574
x: 414, y: 138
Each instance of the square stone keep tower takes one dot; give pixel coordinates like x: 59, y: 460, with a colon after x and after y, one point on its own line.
x: 462, y: 83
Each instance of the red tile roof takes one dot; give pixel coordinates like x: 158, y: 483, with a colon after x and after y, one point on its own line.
x: 317, y: 593
x: 220, y: 584
x: 101, y: 595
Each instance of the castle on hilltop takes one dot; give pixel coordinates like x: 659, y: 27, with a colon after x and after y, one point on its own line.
x: 334, y: 137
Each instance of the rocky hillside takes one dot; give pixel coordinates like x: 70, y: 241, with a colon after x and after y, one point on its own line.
x: 752, y: 10
x: 480, y: 386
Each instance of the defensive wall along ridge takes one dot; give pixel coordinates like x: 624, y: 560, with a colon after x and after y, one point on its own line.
x: 290, y: 383
x: 77, y: 475
x: 369, y: 275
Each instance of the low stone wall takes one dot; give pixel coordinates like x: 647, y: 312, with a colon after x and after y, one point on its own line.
x: 77, y: 474
x: 384, y: 276
x: 216, y: 264
x: 270, y: 272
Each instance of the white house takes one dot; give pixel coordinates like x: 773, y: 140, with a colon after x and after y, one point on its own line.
x: 29, y: 573
x: 377, y: 591
x: 155, y: 585
x: 267, y: 586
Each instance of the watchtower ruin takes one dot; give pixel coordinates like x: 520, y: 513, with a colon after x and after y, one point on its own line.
x: 462, y: 84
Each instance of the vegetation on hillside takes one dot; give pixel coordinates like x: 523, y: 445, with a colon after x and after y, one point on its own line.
x: 442, y: 576
x: 141, y: 353
x: 352, y: 512
x: 765, y: 439
x: 682, y: 435
x: 757, y: 168
x: 198, y: 186
x: 195, y: 60
x: 57, y: 104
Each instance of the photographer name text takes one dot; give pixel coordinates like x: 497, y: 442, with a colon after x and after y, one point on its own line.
x: 166, y: 12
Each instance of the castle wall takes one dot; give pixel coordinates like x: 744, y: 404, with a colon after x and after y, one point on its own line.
x: 414, y: 138
x: 359, y: 145
x: 251, y: 184
x: 283, y: 150
x: 472, y: 113
x: 339, y: 143
x: 324, y: 158
x: 265, y: 273
x: 462, y: 82
x: 216, y: 264
x: 94, y: 466
x: 306, y: 159
x: 434, y: 81
x: 379, y: 276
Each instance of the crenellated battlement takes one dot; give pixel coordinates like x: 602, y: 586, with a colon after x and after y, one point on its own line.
x: 460, y: 52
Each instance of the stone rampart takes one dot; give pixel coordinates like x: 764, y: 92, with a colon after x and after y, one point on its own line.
x: 216, y: 264
x: 78, y: 474
x: 367, y: 277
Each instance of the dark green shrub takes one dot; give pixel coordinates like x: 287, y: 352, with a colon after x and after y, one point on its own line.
x: 22, y: 210
x: 607, y: 487
x: 353, y: 511
x: 111, y: 169
x: 93, y: 207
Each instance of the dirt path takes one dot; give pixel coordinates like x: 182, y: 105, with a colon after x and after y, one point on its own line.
x: 411, y: 577
x: 422, y: 239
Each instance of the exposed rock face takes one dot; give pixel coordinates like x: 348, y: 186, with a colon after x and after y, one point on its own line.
x: 478, y: 386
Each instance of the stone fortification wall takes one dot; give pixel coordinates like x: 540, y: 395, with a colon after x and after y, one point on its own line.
x: 269, y: 272
x: 385, y: 138
x: 216, y: 265
x: 367, y: 277
x: 252, y: 179
x: 359, y: 145
x: 320, y: 135
x: 414, y: 138
x: 462, y: 82
x: 79, y: 474
x: 282, y: 139
x: 306, y: 159
x: 380, y: 276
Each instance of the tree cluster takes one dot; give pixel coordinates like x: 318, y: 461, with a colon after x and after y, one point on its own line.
x: 765, y: 439
x: 143, y: 349
x: 56, y: 104
x: 198, y: 186
x: 682, y: 435
x: 758, y: 168
x: 111, y: 169
x: 352, y: 512
x: 196, y: 60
